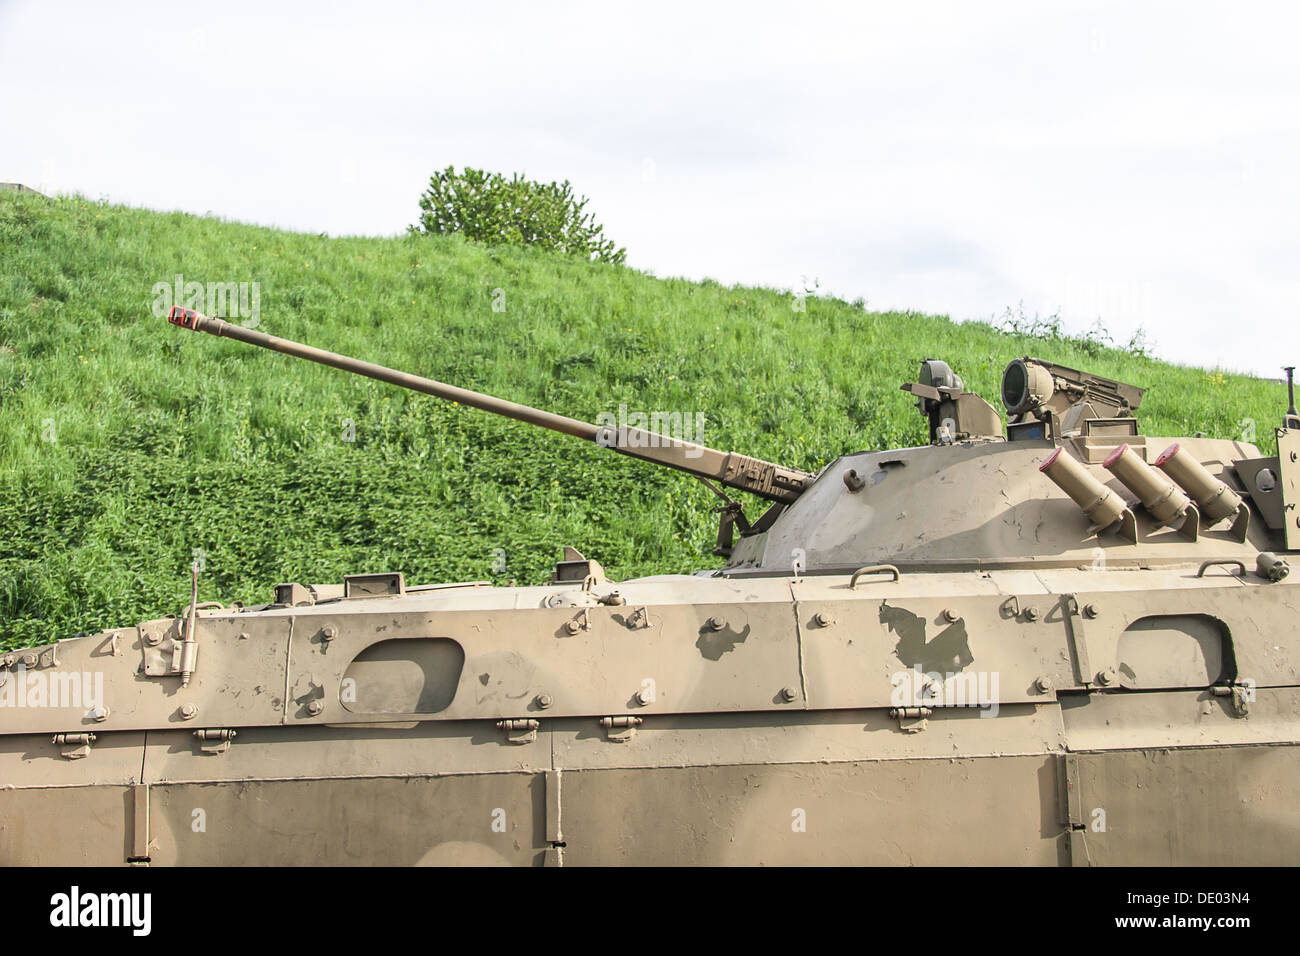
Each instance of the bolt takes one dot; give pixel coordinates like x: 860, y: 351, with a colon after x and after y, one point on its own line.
x: 314, y: 707
x: 643, y: 696
x: 29, y: 660
x: 1090, y: 611
x: 243, y: 635
x: 1031, y: 614
x: 788, y: 694
x: 329, y: 632
x: 853, y: 481
x: 152, y: 638
x: 573, y: 627
x: 100, y: 713
x: 951, y: 616
x: 715, y: 624
x: 822, y: 619
x: 189, y: 711
x: 544, y: 700
x: 1044, y: 684
x: 1106, y: 677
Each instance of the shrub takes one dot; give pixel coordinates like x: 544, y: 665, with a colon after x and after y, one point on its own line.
x: 489, y: 208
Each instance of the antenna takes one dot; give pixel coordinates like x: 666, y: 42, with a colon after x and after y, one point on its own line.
x: 1292, y: 417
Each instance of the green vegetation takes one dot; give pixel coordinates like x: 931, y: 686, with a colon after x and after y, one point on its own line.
x: 487, y: 207
x: 126, y: 444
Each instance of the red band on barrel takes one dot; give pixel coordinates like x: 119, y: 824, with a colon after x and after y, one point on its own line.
x: 1167, y: 454
x: 1045, y: 465
x: 1114, y: 456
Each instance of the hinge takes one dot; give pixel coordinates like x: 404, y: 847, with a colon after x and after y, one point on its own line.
x: 620, y: 729
x: 519, y: 731
x: 74, y: 746
x: 910, y: 719
x: 1241, y: 694
x: 164, y: 653
x: 139, y: 826
x: 215, y: 741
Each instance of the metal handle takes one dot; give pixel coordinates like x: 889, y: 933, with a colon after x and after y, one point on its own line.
x: 1209, y: 564
x: 873, y: 569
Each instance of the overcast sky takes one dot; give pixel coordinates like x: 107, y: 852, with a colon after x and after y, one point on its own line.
x: 1133, y: 162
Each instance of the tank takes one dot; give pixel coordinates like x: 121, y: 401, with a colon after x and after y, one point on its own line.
x: 1054, y: 641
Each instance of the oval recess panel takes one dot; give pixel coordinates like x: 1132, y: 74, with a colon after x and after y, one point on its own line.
x: 1174, y: 650
x: 416, y: 675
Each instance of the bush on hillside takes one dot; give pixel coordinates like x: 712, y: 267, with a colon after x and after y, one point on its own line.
x: 489, y: 208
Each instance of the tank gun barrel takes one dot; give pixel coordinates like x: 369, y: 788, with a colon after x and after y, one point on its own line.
x: 765, y: 479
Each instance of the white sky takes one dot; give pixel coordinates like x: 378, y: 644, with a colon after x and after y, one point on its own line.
x: 1133, y: 162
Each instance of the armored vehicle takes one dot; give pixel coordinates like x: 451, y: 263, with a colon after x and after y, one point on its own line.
x: 1056, y: 641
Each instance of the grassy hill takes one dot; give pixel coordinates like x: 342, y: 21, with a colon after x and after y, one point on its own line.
x: 127, y: 444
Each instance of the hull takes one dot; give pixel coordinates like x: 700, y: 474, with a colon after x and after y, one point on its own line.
x: 1054, y: 718
x: 717, y: 790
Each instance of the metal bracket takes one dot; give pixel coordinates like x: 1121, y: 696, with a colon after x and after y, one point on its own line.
x: 1128, y: 526
x: 164, y: 653
x: 730, y: 516
x: 1074, y: 617
x: 1288, y: 453
x: 214, y: 741
x: 1190, y: 528
x: 74, y: 746
x: 519, y: 731
x: 620, y: 729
